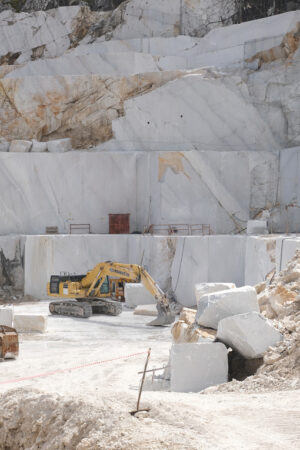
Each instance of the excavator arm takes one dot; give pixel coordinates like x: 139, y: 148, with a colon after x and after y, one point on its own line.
x: 134, y: 274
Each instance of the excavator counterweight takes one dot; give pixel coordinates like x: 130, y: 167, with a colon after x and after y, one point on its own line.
x: 101, y: 290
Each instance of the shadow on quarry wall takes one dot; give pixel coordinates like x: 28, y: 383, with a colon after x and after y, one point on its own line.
x: 12, y: 271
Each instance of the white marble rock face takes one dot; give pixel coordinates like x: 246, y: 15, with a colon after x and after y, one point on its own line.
x: 250, y: 334
x: 212, y: 308
x: 166, y: 119
x: 195, y: 367
x: 210, y: 186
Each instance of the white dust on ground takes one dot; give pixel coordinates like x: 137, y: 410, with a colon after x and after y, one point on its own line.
x: 35, y: 420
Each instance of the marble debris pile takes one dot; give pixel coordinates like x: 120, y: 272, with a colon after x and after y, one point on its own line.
x: 229, y: 319
x: 280, y: 297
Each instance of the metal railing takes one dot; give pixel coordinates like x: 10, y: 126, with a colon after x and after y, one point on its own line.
x: 171, y: 229
x: 80, y: 228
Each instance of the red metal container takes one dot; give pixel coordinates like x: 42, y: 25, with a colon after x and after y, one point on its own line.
x: 119, y: 223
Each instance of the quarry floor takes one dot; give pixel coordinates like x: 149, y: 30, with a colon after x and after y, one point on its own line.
x: 181, y: 421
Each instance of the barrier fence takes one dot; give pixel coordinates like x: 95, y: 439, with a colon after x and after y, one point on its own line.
x: 53, y: 372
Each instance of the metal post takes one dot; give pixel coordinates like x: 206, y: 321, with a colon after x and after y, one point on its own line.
x: 143, y: 379
x: 141, y: 386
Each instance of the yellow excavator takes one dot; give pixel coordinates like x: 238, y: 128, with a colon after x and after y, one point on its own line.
x: 101, y: 291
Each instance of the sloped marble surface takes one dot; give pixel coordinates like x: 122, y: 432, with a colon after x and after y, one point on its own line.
x: 200, y: 111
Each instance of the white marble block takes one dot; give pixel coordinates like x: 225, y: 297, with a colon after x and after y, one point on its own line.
x: 60, y: 145
x: 20, y: 146
x: 30, y: 323
x: 214, y: 307
x: 146, y: 310
x: 6, y: 315
x: 195, y: 367
x: 136, y: 294
x: 250, y: 334
x: 39, y: 146
x: 207, y: 288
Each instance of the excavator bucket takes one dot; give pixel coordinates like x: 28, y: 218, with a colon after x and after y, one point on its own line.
x: 164, y: 317
x: 9, y: 342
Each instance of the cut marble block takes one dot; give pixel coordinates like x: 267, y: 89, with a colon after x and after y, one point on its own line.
x: 216, y: 306
x: 20, y: 146
x: 250, y: 334
x: 59, y: 145
x: 207, y: 288
x: 30, y: 323
x: 195, y: 367
x: 136, y: 294
x: 146, y: 310
x: 6, y: 315
x: 39, y: 146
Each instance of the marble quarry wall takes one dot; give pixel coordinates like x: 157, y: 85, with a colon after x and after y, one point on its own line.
x: 164, y: 107
x: 176, y: 263
x: 90, y: 89
x: 220, y: 189
x: 266, y: 254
